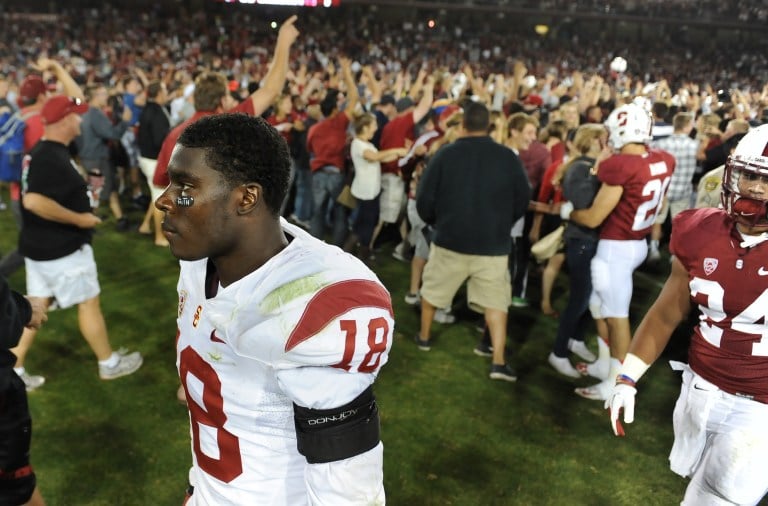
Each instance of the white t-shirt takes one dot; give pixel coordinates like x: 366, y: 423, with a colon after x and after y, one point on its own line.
x: 312, y: 326
x: 367, y: 181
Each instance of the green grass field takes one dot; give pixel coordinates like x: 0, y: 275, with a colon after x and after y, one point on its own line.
x: 451, y: 435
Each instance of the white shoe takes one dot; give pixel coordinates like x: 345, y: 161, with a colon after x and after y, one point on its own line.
x: 599, y: 369
x: 412, y: 299
x: 653, y: 255
x: 599, y: 392
x: 581, y: 350
x: 444, y: 316
x: 31, y: 382
x: 563, y: 366
x: 127, y: 364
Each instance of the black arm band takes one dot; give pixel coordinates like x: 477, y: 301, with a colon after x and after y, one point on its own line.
x: 328, y: 435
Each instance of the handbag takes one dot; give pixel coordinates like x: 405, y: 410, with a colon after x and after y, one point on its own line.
x: 346, y: 198
x: 546, y: 247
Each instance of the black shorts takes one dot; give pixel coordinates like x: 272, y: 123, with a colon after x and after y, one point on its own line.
x: 17, y: 479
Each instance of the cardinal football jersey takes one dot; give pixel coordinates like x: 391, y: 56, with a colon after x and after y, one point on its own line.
x: 312, y: 326
x: 645, y: 179
x: 729, y: 284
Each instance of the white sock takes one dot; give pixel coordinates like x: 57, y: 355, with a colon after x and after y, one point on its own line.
x: 19, y: 370
x: 654, y: 245
x: 111, y: 361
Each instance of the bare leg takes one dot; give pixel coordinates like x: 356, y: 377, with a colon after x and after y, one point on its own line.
x: 427, y: 315
x: 146, y: 224
x: 548, y: 277
x: 496, y: 320
x: 94, y: 328
x: 417, y: 268
x: 114, y: 205
x: 376, y: 232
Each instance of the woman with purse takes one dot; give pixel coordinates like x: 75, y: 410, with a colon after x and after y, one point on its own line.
x: 366, y: 184
x: 579, y: 185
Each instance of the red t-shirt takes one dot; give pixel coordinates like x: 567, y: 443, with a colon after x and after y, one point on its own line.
x: 393, y: 135
x: 326, y: 142
x: 645, y: 179
x: 161, y: 170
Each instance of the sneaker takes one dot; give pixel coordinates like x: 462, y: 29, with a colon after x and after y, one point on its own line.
x: 598, y: 369
x: 423, y: 344
x: 653, y: 255
x: 581, y: 350
x: 412, y: 299
x: 598, y: 392
x: 483, y: 350
x: 502, y: 372
x: 3, y: 205
x: 444, y: 316
x: 563, y: 366
x: 31, y: 382
x: 122, y: 224
x: 519, y: 302
x: 127, y: 364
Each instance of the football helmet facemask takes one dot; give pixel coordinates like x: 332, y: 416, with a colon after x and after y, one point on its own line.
x: 748, y: 162
x: 628, y: 124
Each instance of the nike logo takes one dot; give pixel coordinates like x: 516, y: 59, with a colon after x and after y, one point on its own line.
x: 762, y: 272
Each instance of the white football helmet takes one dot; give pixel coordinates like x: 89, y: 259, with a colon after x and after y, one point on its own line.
x: 749, y: 161
x: 628, y: 124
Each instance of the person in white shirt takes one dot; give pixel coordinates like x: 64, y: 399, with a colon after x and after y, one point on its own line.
x: 280, y: 335
x: 366, y: 185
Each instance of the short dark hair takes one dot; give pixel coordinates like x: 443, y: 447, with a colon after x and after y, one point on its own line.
x: 477, y: 118
x: 244, y: 149
x: 153, y: 88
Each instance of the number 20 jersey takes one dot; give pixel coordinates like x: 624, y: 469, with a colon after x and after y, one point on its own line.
x: 729, y: 284
x: 644, y: 179
x: 312, y: 326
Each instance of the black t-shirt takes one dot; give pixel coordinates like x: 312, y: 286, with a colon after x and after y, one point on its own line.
x: 52, y: 173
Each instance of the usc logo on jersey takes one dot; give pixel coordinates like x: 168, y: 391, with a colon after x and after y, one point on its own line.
x: 196, y: 318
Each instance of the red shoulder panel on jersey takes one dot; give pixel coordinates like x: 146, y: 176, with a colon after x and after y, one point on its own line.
x: 335, y: 300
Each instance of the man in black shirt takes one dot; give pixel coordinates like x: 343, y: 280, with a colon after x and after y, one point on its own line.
x: 56, y: 234
x: 472, y: 192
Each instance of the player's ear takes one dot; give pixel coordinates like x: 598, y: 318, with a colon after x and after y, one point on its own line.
x: 250, y: 198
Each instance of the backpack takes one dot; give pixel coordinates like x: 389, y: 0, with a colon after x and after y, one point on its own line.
x: 12, y: 144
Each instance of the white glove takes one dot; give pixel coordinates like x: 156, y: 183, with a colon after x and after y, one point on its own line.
x: 623, y: 396
x: 566, y: 208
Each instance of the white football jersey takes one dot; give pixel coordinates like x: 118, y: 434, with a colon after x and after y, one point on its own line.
x: 312, y: 326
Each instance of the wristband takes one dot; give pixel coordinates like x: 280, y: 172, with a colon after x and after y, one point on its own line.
x: 633, y: 367
x: 623, y: 379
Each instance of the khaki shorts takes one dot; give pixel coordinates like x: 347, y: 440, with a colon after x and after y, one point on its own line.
x: 392, y: 198
x: 69, y: 280
x: 489, y: 286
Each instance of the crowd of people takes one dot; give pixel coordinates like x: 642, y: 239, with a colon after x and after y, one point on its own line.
x: 466, y: 157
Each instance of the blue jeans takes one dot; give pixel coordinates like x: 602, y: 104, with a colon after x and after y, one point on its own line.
x: 326, y: 186
x: 573, y: 321
x: 302, y: 203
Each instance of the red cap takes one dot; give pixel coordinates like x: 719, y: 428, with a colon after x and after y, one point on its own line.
x: 533, y: 100
x: 233, y: 86
x: 31, y: 88
x: 58, y: 107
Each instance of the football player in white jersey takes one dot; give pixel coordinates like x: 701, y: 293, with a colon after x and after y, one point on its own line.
x: 720, y: 267
x: 280, y: 336
x: 634, y: 181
